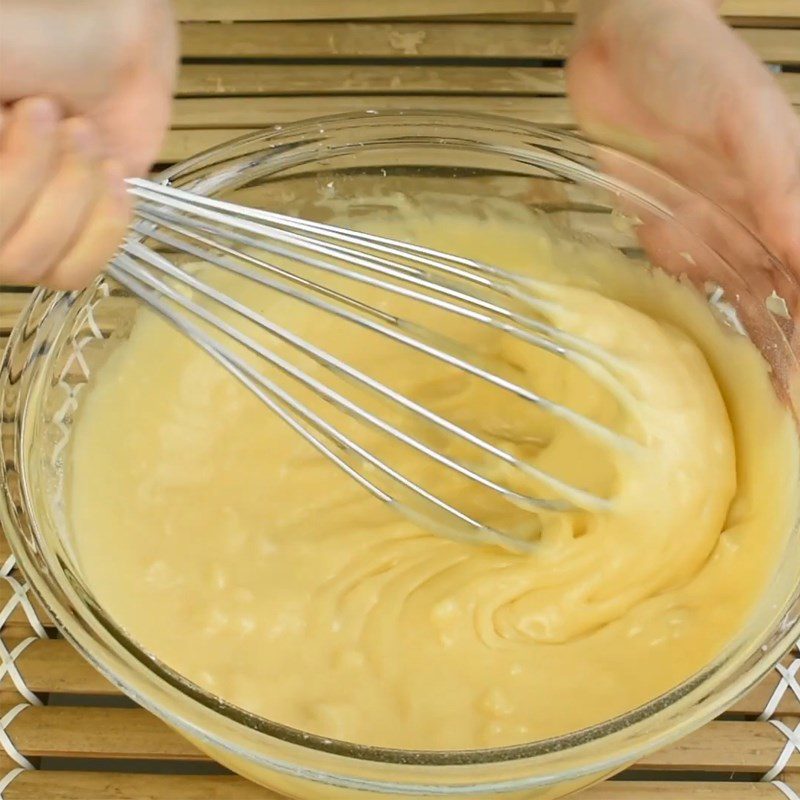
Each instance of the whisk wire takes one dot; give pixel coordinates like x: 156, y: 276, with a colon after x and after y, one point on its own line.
x: 458, y: 525
x: 244, y: 242
x: 357, y: 376
x: 183, y: 226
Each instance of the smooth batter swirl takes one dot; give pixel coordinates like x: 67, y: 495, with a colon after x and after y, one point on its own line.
x: 229, y: 548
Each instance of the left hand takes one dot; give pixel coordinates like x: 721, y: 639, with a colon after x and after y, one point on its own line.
x: 86, y: 90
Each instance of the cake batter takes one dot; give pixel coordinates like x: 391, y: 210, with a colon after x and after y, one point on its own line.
x: 226, y: 546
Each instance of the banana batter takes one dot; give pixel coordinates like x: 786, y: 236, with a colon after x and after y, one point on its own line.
x: 228, y: 547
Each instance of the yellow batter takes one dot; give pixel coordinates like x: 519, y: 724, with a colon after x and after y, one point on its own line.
x: 228, y: 547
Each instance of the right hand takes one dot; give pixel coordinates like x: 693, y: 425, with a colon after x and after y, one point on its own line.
x: 671, y: 82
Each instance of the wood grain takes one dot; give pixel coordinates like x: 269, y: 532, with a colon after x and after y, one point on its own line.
x: 197, y: 10
x: 70, y: 732
x: 723, y: 747
x: 379, y: 79
x: 121, y: 786
x: 374, y: 40
x: 679, y: 790
x: 181, y: 144
x: 11, y: 304
x: 755, y: 701
x: 255, y: 112
x: 424, y: 39
x: 52, y: 665
x: 192, y: 10
x: 387, y: 80
x: 17, y: 625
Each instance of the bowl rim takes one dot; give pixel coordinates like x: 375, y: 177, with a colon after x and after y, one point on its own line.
x: 111, y: 665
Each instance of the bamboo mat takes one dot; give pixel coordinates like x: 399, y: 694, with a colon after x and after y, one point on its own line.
x: 251, y: 63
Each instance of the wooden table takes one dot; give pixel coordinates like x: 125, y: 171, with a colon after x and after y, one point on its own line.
x: 251, y: 63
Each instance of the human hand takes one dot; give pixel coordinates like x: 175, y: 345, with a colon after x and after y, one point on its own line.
x: 668, y: 81
x: 86, y: 90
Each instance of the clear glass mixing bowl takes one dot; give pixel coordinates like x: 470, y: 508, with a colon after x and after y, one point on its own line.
x: 62, y: 338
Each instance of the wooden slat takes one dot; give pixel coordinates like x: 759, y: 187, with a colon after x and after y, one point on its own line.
x: 182, y: 144
x: 97, y: 733
x: 6, y: 765
x: 316, y: 79
x: 198, y: 10
x: 17, y: 621
x: 276, y: 10
x: 11, y: 304
x: 772, y: 44
x: 755, y: 701
x: 747, y: 747
x: 246, y: 112
x: 41, y: 785
x: 723, y: 747
x: 382, y: 79
x: 52, y: 665
x: 103, y: 786
x: 374, y: 40
x: 679, y: 790
x: 418, y: 40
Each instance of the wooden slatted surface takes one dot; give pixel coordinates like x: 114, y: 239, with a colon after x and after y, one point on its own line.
x: 87, y: 786
x: 52, y: 665
x: 251, y: 63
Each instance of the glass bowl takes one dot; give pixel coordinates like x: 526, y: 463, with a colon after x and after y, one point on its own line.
x: 61, y: 339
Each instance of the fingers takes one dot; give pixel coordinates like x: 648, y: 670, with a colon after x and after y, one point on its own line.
x: 102, y: 231
x: 28, y: 155
x: 64, y: 209
x: 60, y: 206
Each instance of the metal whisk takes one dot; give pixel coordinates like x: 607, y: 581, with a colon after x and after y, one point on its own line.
x: 313, y: 264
